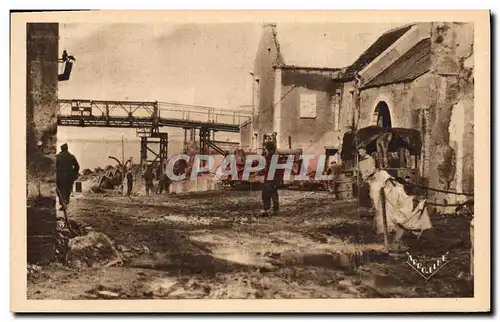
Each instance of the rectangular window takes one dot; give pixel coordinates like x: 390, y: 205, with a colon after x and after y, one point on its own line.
x: 308, y: 105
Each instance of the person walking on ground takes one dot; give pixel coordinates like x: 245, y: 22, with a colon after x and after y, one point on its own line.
x: 270, y: 186
x: 163, y: 184
x: 129, y: 177
x: 67, y: 169
x: 148, y: 177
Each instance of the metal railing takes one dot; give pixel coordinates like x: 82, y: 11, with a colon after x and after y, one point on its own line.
x: 142, y: 109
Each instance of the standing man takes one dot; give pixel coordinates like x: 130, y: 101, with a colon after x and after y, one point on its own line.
x: 130, y: 181
x: 270, y: 187
x: 148, y: 177
x: 164, y: 184
x: 67, y: 169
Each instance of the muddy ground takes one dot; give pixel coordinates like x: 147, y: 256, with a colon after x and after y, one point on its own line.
x: 215, y: 245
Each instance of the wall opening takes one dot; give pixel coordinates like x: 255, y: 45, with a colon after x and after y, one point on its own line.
x: 382, y: 115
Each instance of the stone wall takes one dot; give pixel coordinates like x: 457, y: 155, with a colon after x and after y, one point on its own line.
x: 409, y: 105
x: 41, y: 129
x: 41, y: 106
x: 347, y: 107
x: 440, y: 104
x: 405, y: 102
x: 451, y: 116
x: 304, y: 132
x: 265, y: 76
x: 246, y: 136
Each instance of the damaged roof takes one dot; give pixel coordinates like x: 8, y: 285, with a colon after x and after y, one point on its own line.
x: 334, y: 45
x: 377, y: 48
x: 412, y: 64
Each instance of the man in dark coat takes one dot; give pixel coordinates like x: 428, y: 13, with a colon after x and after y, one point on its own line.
x: 164, y: 184
x: 130, y: 181
x: 148, y: 177
x: 67, y: 169
x: 270, y: 186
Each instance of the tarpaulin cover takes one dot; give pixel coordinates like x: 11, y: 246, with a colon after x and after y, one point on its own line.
x: 402, y: 138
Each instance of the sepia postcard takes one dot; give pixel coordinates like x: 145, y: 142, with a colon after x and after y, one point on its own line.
x: 250, y: 161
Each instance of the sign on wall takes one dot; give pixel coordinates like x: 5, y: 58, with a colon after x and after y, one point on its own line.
x: 308, y: 105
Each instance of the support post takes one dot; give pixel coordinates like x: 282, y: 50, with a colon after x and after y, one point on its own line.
x: 384, y: 219
x: 163, y: 151
x: 144, y: 151
x: 155, y: 120
x: 107, y: 114
x: 204, y: 139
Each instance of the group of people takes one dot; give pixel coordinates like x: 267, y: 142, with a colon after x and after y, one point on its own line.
x: 149, y: 177
x: 401, y: 213
x: 68, y: 168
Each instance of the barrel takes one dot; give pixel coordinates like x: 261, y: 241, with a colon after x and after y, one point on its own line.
x: 343, y: 187
x: 41, y: 233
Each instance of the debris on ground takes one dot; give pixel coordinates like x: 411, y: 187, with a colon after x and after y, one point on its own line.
x: 97, y: 189
x: 93, y: 249
x: 214, y: 245
x: 33, y: 269
x: 108, y: 294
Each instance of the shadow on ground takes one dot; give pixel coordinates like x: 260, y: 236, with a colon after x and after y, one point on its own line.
x: 300, y: 240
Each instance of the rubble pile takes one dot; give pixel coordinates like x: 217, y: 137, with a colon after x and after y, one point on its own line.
x: 87, y: 172
x: 466, y: 209
x: 94, y: 249
x: 79, y: 246
x: 110, y: 178
x: 34, y: 270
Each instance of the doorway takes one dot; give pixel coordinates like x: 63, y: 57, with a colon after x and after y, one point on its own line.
x: 382, y: 115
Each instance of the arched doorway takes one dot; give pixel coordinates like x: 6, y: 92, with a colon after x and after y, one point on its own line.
x: 382, y: 115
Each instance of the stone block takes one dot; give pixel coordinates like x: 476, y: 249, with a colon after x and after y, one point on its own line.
x: 446, y: 65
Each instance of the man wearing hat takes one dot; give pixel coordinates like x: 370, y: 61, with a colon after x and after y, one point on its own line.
x: 269, y: 187
x: 67, y: 169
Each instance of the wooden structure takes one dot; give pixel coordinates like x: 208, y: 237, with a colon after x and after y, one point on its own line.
x: 403, y: 148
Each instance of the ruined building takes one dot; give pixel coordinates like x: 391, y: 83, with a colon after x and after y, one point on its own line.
x: 417, y: 76
x: 309, y: 107
x: 424, y: 81
x: 450, y: 116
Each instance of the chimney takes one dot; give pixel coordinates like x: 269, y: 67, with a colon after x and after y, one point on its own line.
x: 272, y: 25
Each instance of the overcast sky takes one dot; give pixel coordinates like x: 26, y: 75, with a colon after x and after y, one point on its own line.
x: 202, y: 64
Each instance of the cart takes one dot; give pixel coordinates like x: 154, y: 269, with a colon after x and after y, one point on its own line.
x: 403, y: 151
